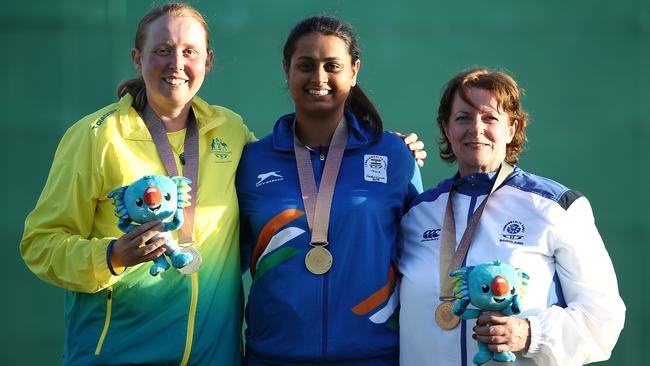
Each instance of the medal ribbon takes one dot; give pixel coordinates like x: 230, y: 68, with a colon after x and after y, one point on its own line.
x: 318, y: 203
x: 191, y: 165
x: 447, y: 253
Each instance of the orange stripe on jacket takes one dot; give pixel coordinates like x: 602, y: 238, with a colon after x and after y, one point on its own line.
x: 377, y: 298
x: 269, y: 230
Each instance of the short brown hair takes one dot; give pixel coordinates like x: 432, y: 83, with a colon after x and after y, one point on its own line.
x: 507, y: 94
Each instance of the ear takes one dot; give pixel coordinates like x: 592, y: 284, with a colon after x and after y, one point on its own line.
x: 512, y: 129
x: 285, y: 68
x: 355, y: 71
x: 445, y: 128
x: 136, y: 56
x: 209, y: 61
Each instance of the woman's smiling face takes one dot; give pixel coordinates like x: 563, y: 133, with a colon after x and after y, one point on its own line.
x: 478, y: 134
x: 320, y: 74
x: 173, y: 61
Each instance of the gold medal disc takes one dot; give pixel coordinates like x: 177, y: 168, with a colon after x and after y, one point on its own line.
x: 445, y: 318
x: 318, y: 260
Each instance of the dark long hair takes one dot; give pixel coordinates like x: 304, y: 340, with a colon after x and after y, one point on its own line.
x: 357, y: 101
x: 136, y: 86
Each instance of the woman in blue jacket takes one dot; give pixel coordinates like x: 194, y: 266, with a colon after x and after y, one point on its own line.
x: 324, y: 278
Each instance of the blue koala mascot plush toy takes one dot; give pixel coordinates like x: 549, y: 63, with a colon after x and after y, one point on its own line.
x: 155, y: 197
x: 492, y: 286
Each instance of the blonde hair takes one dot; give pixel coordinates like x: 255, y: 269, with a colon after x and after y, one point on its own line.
x: 136, y: 86
x: 507, y: 94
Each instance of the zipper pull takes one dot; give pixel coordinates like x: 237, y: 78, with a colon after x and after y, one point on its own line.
x: 322, y: 157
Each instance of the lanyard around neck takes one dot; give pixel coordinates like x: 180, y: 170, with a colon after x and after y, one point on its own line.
x: 450, y: 258
x: 318, y: 203
x: 191, y: 162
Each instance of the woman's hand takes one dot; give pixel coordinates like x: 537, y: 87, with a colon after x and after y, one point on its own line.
x: 502, y: 333
x: 130, y: 249
x: 411, y: 140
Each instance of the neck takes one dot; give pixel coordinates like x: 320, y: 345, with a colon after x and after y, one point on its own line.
x: 316, y: 130
x: 174, y: 118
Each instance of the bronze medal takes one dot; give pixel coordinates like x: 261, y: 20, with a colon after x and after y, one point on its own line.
x: 445, y: 318
x: 195, y: 264
x: 318, y: 260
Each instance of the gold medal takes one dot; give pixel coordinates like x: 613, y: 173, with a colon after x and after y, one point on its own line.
x: 318, y: 260
x: 445, y: 318
x: 195, y: 264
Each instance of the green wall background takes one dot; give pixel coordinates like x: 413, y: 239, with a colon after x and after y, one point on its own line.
x: 584, y: 65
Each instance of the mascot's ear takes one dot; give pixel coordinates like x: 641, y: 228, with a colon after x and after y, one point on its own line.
x: 524, y: 281
x: 460, y: 283
x: 183, y: 189
x: 117, y: 195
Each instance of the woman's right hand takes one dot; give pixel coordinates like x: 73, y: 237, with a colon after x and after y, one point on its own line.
x: 130, y: 249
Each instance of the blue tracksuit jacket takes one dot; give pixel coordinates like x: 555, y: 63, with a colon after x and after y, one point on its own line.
x: 346, y: 316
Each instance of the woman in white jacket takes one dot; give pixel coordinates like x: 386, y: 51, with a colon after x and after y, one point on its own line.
x: 572, y: 313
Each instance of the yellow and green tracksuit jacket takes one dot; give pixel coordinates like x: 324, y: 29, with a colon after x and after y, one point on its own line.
x: 135, y: 318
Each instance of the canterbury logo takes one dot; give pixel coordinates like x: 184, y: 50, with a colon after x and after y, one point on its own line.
x: 429, y: 235
x: 269, y: 177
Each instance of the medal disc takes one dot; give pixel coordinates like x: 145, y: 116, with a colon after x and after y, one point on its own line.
x: 318, y: 260
x: 195, y: 264
x: 445, y: 318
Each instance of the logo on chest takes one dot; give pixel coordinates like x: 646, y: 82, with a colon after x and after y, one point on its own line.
x: 430, y: 235
x: 219, y: 148
x: 375, y: 168
x: 513, y: 232
x: 270, y: 177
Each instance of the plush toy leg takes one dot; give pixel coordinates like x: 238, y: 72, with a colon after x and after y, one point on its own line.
x: 504, y: 356
x: 180, y: 259
x: 159, y: 265
x: 483, y: 355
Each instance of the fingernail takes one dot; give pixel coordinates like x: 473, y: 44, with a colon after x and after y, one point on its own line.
x: 474, y: 329
x: 474, y: 336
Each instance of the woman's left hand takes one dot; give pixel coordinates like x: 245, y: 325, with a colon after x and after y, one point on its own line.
x: 415, y: 145
x: 502, y: 333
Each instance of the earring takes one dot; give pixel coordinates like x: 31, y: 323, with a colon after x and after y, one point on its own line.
x: 354, y: 83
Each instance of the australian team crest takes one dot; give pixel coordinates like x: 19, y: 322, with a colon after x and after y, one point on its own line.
x: 219, y: 148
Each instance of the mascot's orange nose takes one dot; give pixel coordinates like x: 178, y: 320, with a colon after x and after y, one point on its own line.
x: 152, y: 196
x: 500, y: 286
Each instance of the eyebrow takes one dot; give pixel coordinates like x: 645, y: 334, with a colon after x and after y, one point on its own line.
x: 325, y: 59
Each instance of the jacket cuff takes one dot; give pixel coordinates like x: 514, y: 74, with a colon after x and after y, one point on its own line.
x: 114, y: 271
x: 535, y: 337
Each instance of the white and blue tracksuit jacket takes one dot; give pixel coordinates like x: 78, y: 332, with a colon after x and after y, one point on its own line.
x: 346, y: 316
x: 572, y: 300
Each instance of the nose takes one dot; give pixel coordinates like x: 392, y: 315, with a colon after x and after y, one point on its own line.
x: 476, y: 125
x: 320, y: 76
x: 500, y: 286
x: 177, y: 61
x: 152, y: 196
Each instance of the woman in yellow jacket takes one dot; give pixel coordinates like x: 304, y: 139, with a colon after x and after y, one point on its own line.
x: 115, y: 311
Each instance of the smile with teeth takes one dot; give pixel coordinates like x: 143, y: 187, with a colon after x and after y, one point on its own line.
x: 319, y: 92
x: 174, y: 81
x: 498, y: 300
x: 154, y: 208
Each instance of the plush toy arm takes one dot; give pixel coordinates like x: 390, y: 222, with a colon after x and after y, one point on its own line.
x: 460, y: 308
x: 126, y: 225
x: 177, y: 222
x: 470, y: 314
x: 514, y: 308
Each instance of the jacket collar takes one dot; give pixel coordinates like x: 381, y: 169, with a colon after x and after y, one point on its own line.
x: 283, y: 133
x: 477, y: 184
x: 133, y: 127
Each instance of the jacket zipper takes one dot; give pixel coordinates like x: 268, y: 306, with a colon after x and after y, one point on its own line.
x: 325, y: 309
x: 107, y: 322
